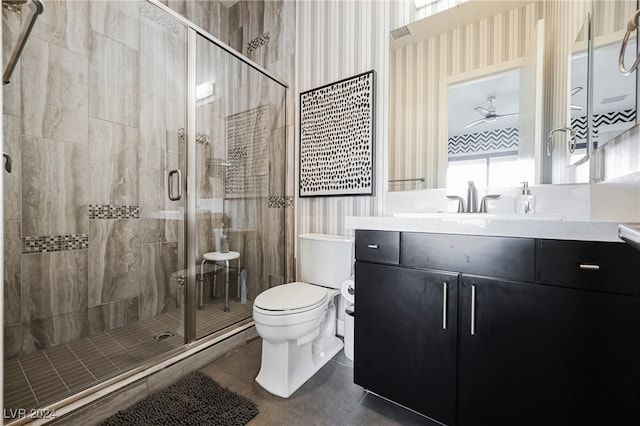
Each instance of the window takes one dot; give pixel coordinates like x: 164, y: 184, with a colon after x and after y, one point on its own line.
x: 489, y: 171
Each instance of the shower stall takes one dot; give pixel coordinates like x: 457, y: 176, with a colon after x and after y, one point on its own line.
x: 137, y: 140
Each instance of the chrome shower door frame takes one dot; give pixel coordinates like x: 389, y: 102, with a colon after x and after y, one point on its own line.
x: 190, y: 295
x: 190, y: 289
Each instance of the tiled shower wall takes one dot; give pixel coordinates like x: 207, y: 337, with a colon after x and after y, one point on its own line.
x: 246, y: 173
x: 257, y: 225
x: 91, y: 118
x: 73, y: 114
x: 264, y: 31
x: 92, y: 138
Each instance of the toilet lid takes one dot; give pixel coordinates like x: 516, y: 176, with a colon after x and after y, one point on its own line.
x: 291, y: 296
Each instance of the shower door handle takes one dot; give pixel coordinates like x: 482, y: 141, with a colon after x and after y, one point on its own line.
x: 178, y: 196
x: 7, y: 163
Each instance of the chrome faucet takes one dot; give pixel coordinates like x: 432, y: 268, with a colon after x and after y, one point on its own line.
x: 460, y: 202
x: 472, y: 198
x: 483, y: 203
x: 472, y: 206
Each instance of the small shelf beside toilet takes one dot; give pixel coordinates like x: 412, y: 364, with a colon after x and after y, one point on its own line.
x: 215, y: 257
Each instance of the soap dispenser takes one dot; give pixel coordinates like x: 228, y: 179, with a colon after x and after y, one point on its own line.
x: 525, y: 202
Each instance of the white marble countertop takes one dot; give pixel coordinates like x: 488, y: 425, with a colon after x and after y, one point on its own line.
x: 494, y: 225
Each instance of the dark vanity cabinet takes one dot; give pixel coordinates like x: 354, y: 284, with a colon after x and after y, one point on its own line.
x: 540, y: 354
x: 538, y: 331
x: 407, y: 350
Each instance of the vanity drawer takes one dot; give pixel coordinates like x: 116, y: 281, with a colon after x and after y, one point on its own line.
x: 378, y: 246
x: 502, y: 257
x: 601, y: 266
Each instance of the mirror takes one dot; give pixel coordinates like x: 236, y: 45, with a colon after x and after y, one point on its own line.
x: 447, y: 80
x: 578, y: 105
x: 498, y: 148
x: 483, y: 128
x: 602, y: 105
x: 483, y: 137
x: 478, y: 35
x: 614, y: 94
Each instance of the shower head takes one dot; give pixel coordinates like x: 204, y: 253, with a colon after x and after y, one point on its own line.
x: 154, y: 14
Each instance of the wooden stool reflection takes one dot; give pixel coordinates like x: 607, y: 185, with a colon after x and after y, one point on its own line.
x: 216, y: 256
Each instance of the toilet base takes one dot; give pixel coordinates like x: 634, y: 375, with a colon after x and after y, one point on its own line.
x: 286, y: 366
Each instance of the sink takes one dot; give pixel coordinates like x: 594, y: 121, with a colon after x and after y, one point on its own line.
x: 485, y: 216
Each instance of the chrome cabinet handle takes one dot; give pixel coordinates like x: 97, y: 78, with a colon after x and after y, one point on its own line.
x: 589, y: 266
x: 444, y: 306
x: 373, y: 246
x: 173, y: 197
x: 473, y: 310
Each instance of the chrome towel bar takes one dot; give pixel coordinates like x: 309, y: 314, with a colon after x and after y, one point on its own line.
x: 420, y: 179
x: 632, y: 25
x: 36, y: 7
x: 572, y: 142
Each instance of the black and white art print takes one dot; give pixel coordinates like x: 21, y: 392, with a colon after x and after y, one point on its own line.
x: 336, y: 138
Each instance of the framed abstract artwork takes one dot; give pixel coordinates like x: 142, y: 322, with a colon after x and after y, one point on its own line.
x: 337, y: 138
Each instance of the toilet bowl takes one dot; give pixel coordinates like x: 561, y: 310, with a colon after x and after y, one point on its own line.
x: 297, y: 321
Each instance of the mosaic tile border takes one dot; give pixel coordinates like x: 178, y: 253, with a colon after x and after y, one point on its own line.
x: 47, y: 244
x: 107, y: 211
x: 280, y: 201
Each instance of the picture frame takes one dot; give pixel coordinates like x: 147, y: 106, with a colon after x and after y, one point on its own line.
x: 336, y: 135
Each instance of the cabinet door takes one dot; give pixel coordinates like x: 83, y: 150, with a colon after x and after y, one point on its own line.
x: 546, y: 355
x: 405, y: 337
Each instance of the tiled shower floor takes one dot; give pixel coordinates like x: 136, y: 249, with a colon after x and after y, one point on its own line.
x: 55, y: 373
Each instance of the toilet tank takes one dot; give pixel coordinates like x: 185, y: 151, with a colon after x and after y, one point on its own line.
x: 325, y: 260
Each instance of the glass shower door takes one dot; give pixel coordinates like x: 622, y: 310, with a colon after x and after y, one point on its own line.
x: 93, y: 245
x: 162, y: 170
x: 240, y: 185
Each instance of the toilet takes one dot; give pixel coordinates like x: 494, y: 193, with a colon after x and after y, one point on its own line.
x: 297, y: 321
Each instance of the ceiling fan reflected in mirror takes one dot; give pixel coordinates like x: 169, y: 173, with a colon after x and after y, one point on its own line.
x: 573, y: 92
x: 489, y: 113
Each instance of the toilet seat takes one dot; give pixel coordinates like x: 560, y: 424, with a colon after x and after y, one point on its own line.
x: 290, y: 298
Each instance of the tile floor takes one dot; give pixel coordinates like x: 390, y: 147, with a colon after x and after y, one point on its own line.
x: 55, y: 373
x: 329, y: 398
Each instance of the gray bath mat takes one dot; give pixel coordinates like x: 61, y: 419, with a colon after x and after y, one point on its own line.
x: 196, y: 399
